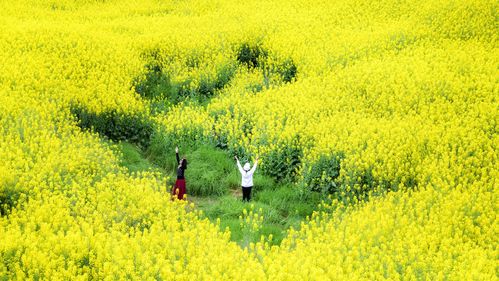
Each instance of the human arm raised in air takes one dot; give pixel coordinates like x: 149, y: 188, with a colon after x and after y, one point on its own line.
x: 254, y: 166
x: 239, y: 165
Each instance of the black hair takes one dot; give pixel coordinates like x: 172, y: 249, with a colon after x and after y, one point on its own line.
x: 183, y: 163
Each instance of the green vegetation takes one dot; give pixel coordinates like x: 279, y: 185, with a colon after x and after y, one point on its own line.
x: 163, y: 89
x: 282, y: 206
x: 213, y: 184
x: 323, y: 175
x: 114, y: 125
x: 251, y: 55
x: 132, y: 158
x: 211, y: 172
x: 8, y: 198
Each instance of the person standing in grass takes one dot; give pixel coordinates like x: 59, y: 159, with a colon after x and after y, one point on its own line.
x: 179, y: 188
x: 247, y: 177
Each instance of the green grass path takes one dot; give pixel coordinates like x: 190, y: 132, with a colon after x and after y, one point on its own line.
x: 213, y: 184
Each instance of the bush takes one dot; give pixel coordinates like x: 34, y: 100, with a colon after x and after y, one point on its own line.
x: 288, y: 71
x: 158, y: 86
x: 133, y: 128
x: 160, y: 89
x: 208, y: 85
x: 251, y: 55
x: 8, y: 199
x: 323, y: 175
x: 284, y: 163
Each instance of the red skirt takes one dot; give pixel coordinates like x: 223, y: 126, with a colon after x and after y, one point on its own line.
x: 179, y: 189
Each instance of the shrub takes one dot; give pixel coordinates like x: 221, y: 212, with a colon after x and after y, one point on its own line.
x: 158, y: 86
x: 361, y: 184
x: 116, y: 126
x: 8, y: 199
x: 251, y: 55
x: 288, y: 71
x: 277, y: 72
x: 208, y: 85
x: 284, y: 163
x: 322, y: 176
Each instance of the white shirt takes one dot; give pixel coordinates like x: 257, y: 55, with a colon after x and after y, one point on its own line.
x: 247, y: 176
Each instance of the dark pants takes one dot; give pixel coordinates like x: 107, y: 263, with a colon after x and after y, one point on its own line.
x: 247, y: 193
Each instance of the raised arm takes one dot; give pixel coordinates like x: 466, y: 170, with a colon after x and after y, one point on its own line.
x: 176, y: 155
x: 239, y: 165
x: 254, y: 166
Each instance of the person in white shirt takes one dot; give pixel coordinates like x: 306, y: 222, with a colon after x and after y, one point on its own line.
x: 247, y: 177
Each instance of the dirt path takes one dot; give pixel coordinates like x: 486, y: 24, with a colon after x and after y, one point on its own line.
x: 237, y: 193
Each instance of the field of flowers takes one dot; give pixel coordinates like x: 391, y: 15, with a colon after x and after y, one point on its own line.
x: 389, y: 109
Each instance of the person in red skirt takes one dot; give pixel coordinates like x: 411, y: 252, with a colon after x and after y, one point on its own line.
x: 179, y: 188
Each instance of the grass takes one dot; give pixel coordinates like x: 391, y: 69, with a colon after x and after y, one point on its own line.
x: 213, y: 184
x: 282, y: 207
x: 210, y: 172
x: 132, y: 158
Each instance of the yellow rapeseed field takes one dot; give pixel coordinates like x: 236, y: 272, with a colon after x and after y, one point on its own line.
x: 406, y: 93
